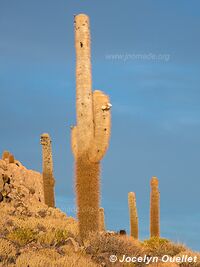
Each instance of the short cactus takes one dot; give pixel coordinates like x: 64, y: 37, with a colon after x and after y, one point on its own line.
x: 48, y: 178
x: 90, y: 138
x: 11, y: 159
x: 102, y: 226
x: 155, y: 208
x: 5, y: 155
x: 134, y: 232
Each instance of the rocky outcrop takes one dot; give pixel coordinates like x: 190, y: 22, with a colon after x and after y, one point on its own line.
x: 18, y: 184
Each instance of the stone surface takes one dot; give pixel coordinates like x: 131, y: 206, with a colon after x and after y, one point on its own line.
x: 20, y: 185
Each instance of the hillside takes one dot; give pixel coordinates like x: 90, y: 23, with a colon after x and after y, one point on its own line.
x: 33, y: 234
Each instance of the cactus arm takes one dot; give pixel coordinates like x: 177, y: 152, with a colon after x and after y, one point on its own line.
x: 84, y: 104
x: 102, y: 126
x: 74, y: 141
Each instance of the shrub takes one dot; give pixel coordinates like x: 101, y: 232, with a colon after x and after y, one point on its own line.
x: 156, y: 246
x: 22, y: 236
x: 53, y: 237
x: 113, y: 244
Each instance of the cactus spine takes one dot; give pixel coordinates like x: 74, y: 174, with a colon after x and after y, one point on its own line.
x: 155, y: 208
x: 48, y: 178
x: 133, y: 215
x: 102, y: 225
x: 90, y: 138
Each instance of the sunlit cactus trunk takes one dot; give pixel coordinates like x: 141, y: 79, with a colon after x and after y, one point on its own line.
x: 90, y: 138
x: 155, y: 208
x: 102, y: 225
x: 87, y: 194
x: 133, y: 215
x: 48, y: 178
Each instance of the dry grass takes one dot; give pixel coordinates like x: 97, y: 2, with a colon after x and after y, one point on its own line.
x: 7, y: 252
x: 76, y: 261
x: 163, y: 265
x: 50, y: 258
x: 190, y: 254
x: 45, y: 240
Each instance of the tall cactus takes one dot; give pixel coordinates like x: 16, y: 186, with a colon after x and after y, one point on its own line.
x: 155, y: 208
x: 133, y: 215
x: 90, y: 138
x: 48, y: 178
x: 102, y: 225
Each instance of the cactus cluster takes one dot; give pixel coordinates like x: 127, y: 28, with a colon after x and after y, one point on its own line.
x: 90, y: 137
x: 89, y: 141
x: 154, y: 211
x: 47, y: 173
x: 8, y: 157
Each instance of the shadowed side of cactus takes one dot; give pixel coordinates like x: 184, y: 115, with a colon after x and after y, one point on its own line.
x: 90, y: 138
x: 11, y: 158
x: 47, y: 174
x: 155, y: 208
x: 133, y: 215
x: 102, y: 225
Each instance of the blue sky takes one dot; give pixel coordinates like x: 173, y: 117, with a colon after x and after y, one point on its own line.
x: 156, y: 103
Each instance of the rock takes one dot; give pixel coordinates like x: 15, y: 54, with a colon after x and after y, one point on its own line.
x: 3, y: 165
x: 42, y: 213
x: 68, y: 243
x: 18, y: 163
x: 7, y: 188
x: 9, y: 223
x: 6, y: 178
x: 1, y: 183
x: 30, y: 182
x: 7, y: 199
x: 31, y: 190
x: 3, y: 192
x: 41, y: 228
x: 73, y: 243
x: 1, y: 197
